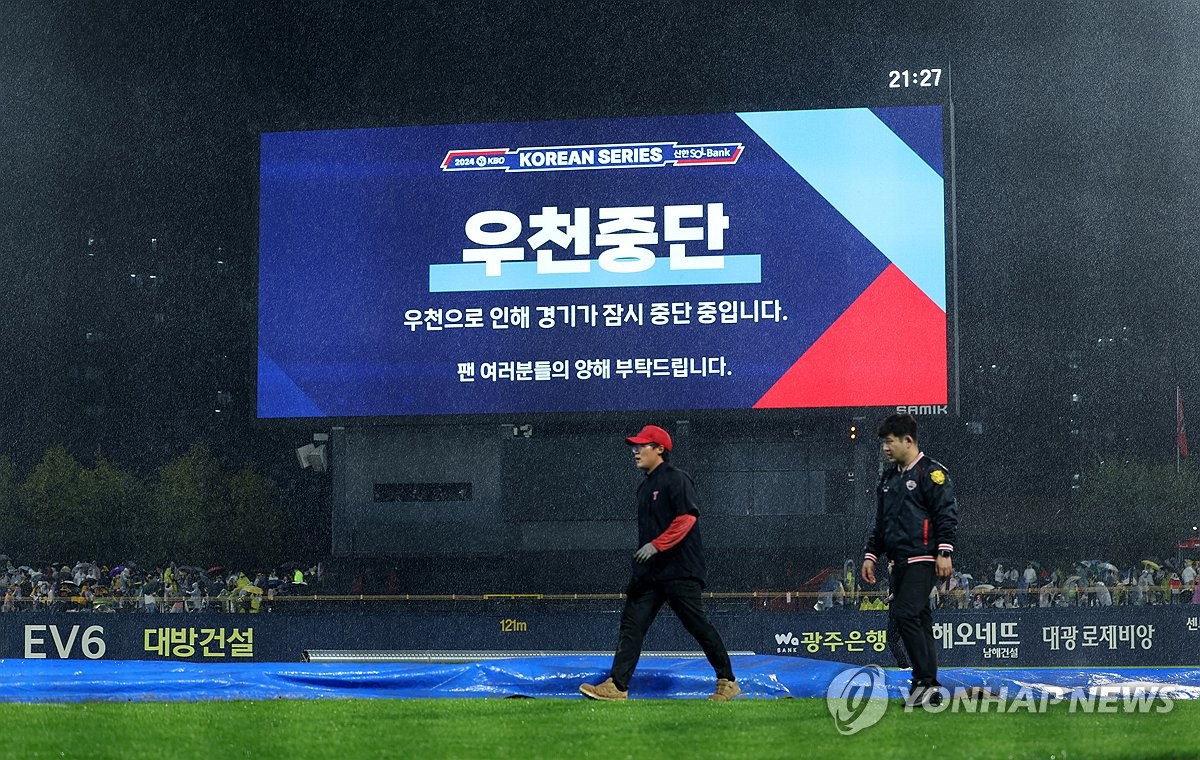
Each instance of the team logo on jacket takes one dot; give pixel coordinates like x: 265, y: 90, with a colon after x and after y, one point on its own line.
x: 937, y: 476
x: 910, y: 484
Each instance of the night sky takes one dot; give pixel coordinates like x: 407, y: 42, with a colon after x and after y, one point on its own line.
x: 1075, y: 145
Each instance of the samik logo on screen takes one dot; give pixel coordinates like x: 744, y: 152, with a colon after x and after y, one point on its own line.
x: 608, y: 247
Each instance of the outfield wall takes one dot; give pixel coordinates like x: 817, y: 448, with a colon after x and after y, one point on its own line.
x: 448, y: 492
x: 1114, y: 636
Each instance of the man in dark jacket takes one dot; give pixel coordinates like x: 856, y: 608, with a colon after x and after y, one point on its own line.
x: 915, y: 524
x: 669, y: 567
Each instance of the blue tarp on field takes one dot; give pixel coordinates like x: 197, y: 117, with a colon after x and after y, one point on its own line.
x: 559, y: 676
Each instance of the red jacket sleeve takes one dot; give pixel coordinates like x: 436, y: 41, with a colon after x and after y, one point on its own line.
x: 675, y: 532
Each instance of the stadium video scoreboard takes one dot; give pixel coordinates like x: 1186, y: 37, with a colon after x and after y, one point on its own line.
x: 787, y: 259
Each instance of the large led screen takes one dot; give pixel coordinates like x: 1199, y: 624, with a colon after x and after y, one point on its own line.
x: 787, y: 259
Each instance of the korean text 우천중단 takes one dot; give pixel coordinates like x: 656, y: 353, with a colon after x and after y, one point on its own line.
x: 624, y: 233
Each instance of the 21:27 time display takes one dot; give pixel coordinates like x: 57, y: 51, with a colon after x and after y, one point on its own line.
x: 921, y: 78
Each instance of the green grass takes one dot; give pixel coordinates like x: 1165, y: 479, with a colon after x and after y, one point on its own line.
x: 527, y: 728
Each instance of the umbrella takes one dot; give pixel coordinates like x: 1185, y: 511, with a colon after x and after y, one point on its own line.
x: 1110, y: 567
x: 1151, y: 564
x: 215, y: 569
x: 116, y: 571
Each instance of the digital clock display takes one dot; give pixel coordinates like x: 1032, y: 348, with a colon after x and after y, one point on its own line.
x: 903, y: 78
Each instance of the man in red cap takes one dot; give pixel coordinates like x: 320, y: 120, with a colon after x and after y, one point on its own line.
x: 669, y: 567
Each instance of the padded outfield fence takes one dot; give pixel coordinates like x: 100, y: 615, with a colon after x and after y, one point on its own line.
x: 1149, y: 635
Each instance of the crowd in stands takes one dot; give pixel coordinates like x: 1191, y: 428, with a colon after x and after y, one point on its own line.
x: 90, y: 587
x: 1088, y: 583
x: 127, y: 587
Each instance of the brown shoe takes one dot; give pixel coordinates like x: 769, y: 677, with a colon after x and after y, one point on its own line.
x: 726, y: 690
x: 605, y: 692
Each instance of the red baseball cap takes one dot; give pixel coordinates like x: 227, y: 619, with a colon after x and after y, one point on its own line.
x: 651, y: 434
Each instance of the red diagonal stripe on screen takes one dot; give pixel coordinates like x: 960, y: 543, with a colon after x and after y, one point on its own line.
x: 888, y: 348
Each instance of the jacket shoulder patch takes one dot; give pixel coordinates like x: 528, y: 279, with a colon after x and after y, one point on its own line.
x: 938, y: 477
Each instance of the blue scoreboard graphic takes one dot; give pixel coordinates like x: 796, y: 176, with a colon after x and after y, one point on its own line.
x: 731, y: 261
